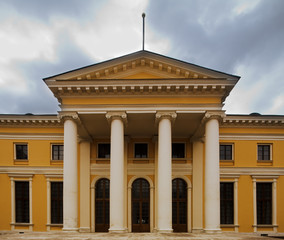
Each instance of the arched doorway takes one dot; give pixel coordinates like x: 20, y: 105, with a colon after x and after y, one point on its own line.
x: 179, y: 205
x: 140, y: 206
x: 102, y: 205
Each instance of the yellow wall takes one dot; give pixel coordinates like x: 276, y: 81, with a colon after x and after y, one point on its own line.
x: 5, y: 202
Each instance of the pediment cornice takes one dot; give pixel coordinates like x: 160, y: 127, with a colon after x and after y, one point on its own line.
x: 141, y: 61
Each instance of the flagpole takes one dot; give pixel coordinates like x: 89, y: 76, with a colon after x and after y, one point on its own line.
x: 143, y: 16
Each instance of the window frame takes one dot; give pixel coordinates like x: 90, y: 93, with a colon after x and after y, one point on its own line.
x: 20, y: 178
x: 265, y: 179
x: 52, y: 155
x: 270, y: 152
x: 103, y: 158
x: 51, y: 178
x: 134, y: 150
x: 184, y: 153
x: 15, y: 151
x: 232, y: 151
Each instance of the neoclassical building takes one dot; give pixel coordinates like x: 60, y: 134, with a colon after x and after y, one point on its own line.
x: 142, y: 144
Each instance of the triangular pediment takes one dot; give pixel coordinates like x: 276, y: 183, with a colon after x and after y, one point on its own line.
x: 142, y: 65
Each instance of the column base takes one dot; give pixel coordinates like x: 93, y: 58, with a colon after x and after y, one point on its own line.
x: 164, y: 230
x: 213, y: 230
x: 70, y: 229
x: 118, y: 230
x: 84, y: 230
x: 197, y: 230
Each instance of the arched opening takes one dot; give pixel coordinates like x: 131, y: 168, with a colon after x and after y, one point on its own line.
x: 102, y: 205
x: 140, y: 206
x: 179, y: 205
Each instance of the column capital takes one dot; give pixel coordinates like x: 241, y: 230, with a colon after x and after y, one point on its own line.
x: 171, y: 115
x: 69, y: 116
x: 219, y: 115
x: 116, y: 115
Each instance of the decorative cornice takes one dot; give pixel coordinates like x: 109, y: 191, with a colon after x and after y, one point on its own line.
x: 116, y: 115
x: 253, y: 121
x: 30, y: 121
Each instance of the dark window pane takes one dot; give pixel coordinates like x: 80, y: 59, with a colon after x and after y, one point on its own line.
x: 22, y: 202
x: 179, y: 201
x: 226, y: 152
x: 263, y: 152
x: 103, y: 150
x: 141, y: 150
x: 57, y: 152
x: 21, y: 151
x: 264, y: 203
x: 227, y: 203
x: 178, y: 150
x: 102, y: 201
x: 57, y: 202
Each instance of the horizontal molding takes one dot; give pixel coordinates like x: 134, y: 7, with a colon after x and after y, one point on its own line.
x: 27, y: 136
x: 251, y: 136
x: 252, y: 171
x: 31, y: 170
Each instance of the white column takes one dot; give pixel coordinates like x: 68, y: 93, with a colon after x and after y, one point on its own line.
x: 85, y: 186
x: 212, y: 178
x: 117, y: 196
x: 197, y: 180
x: 165, y: 172
x: 70, y: 178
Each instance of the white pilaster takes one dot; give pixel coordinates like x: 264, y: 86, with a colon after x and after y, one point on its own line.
x: 212, y: 177
x: 85, y: 186
x: 70, y: 178
x: 164, y: 205
x: 117, y: 196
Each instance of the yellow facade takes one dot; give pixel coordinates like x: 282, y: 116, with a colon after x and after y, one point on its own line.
x: 141, y: 85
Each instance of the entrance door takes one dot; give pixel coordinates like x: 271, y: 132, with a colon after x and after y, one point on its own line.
x: 140, y: 206
x: 179, y: 203
x: 102, y: 205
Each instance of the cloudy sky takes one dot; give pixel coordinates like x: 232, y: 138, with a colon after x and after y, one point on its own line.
x: 40, y: 38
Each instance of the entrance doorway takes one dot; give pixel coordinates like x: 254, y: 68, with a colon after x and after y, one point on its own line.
x: 140, y: 206
x: 179, y: 205
x: 102, y: 205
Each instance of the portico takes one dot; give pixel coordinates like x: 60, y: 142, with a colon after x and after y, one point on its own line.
x: 147, y: 99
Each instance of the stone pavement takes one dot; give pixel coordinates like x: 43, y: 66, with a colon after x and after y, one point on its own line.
x: 137, y: 236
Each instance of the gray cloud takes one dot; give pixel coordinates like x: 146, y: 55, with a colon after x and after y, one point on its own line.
x: 211, y: 33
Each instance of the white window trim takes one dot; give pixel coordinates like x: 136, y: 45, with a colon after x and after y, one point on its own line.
x: 262, y: 179
x: 271, y: 148
x: 15, y: 152
x: 233, y: 151
x: 233, y: 179
x: 14, y: 178
x: 59, y: 178
x: 51, y: 151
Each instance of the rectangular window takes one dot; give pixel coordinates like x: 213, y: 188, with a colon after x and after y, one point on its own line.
x: 264, y: 203
x: 227, y: 202
x: 226, y: 152
x: 22, y: 202
x: 103, y: 150
x: 178, y: 150
x: 21, y: 151
x: 56, y: 202
x: 263, y: 152
x: 57, y: 152
x: 140, y: 150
